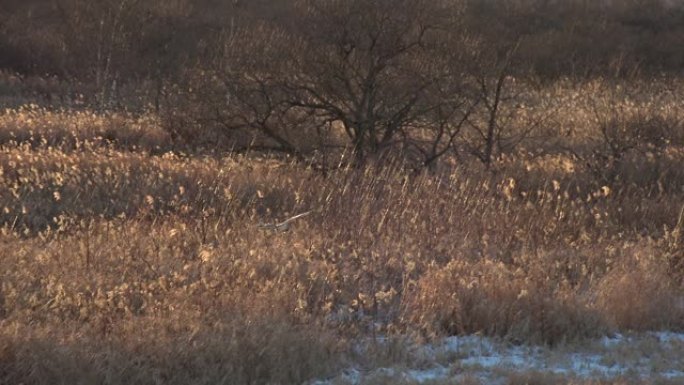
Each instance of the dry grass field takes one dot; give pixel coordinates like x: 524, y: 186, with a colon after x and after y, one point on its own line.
x: 128, y: 261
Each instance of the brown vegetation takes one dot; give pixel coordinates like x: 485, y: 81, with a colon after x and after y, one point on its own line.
x: 458, y: 183
x: 155, y: 262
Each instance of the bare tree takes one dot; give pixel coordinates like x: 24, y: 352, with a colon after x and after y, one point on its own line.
x: 239, y: 93
x: 486, y: 127
x: 373, y: 66
x: 495, y: 127
x: 381, y: 70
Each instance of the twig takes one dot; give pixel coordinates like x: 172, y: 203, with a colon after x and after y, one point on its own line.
x: 284, y: 225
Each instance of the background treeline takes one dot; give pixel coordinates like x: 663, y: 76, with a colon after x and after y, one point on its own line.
x: 306, y: 77
x: 130, y: 40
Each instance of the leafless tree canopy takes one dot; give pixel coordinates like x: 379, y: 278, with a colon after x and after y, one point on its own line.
x: 373, y: 68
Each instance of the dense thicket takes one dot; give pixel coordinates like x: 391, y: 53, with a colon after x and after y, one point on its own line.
x: 148, y: 38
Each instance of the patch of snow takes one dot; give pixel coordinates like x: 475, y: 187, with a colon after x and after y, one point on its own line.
x: 668, y: 337
x: 427, y: 375
x: 612, y: 340
x: 603, y: 359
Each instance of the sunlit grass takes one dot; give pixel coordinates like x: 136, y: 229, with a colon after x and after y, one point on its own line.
x: 145, y: 263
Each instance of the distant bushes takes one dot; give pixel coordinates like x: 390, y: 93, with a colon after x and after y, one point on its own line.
x: 579, y: 38
x: 133, y: 40
x: 308, y: 78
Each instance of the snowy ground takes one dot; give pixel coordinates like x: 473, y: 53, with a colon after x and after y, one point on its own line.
x: 650, y: 356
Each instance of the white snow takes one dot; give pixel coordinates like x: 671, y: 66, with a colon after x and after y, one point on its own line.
x: 648, y: 356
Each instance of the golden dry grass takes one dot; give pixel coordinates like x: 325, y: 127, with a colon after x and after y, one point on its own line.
x: 125, y: 265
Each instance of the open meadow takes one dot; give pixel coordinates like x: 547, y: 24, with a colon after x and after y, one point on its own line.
x: 125, y: 261
x: 342, y: 192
